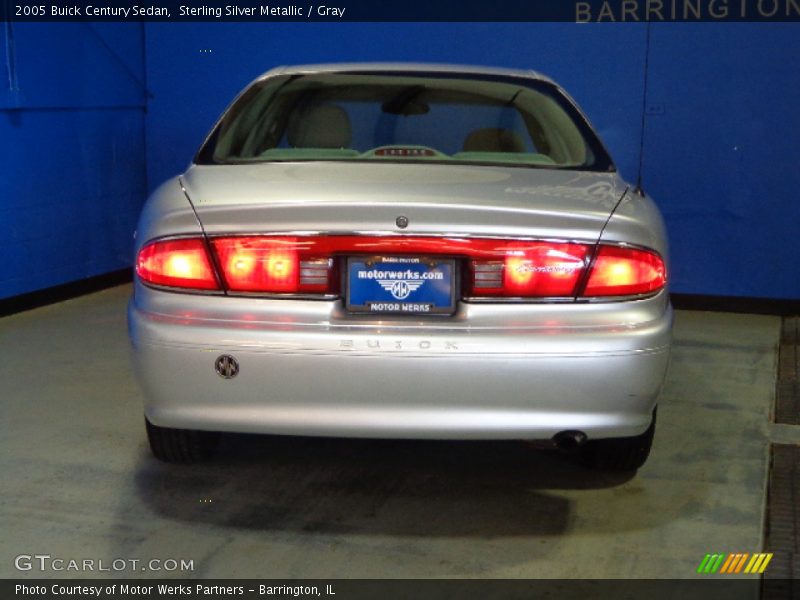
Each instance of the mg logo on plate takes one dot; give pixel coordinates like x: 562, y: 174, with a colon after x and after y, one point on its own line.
x: 401, y: 288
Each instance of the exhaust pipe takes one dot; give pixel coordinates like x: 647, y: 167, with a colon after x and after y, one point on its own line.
x: 569, y: 440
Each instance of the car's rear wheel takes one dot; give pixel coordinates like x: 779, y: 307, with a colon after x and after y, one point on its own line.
x: 181, y: 445
x: 620, y: 454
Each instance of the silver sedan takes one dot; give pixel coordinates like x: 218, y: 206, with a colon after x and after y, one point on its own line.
x: 402, y: 251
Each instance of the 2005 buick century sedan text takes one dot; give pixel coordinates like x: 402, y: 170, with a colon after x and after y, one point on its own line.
x: 405, y: 251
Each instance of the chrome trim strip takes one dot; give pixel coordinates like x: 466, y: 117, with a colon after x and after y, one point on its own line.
x: 178, y: 290
x: 234, y: 294
x: 560, y: 299
x: 399, y: 234
x: 283, y: 296
x: 518, y: 300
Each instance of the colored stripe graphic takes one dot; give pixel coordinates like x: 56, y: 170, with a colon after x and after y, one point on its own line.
x: 703, y: 563
x: 755, y: 562
x: 710, y: 563
x: 767, y: 558
x: 740, y: 564
x: 731, y: 558
x: 714, y: 565
x: 734, y: 563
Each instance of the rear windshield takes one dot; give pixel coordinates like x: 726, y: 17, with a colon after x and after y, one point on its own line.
x: 405, y: 117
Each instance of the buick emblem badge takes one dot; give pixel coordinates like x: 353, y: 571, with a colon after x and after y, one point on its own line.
x: 402, y: 222
x: 226, y: 366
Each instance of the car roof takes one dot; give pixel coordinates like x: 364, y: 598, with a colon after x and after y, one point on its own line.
x: 378, y: 67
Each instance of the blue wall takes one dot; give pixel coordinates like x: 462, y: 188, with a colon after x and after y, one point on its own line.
x: 71, y: 149
x: 718, y: 150
x: 723, y: 160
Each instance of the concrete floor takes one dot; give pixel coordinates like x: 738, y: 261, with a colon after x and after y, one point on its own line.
x: 78, y: 480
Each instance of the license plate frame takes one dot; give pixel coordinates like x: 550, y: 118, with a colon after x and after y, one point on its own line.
x: 378, y: 292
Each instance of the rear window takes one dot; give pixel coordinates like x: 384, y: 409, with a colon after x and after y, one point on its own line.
x: 405, y: 117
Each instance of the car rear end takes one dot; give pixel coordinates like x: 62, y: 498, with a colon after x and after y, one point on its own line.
x: 403, y: 300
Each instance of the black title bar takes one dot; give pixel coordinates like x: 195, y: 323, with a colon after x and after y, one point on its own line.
x: 579, y: 11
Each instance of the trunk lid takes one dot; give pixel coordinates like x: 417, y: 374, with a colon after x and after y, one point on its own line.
x: 342, y: 197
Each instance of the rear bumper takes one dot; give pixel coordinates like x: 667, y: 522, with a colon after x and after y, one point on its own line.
x: 492, y: 372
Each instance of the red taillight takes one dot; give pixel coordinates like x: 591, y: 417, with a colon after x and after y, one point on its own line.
x: 497, y: 268
x: 258, y: 264
x: 624, y: 272
x: 181, y: 263
x: 285, y: 265
x: 530, y: 270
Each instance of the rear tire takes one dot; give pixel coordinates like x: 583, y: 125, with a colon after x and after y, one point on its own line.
x: 620, y: 454
x: 181, y: 445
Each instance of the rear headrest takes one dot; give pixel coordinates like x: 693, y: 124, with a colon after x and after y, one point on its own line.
x: 494, y: 140
x: 321, y: 126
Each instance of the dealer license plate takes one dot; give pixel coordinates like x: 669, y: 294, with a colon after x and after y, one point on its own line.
x: 400, y: 285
